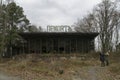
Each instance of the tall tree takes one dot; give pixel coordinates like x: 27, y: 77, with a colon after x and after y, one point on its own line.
x: 2, y: 27
x: 106, y: 19
x: 16, y: 19
x: 12, y: 21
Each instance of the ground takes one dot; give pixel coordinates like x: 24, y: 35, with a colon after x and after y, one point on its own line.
x: 59, y: 68
x: 4, y: 76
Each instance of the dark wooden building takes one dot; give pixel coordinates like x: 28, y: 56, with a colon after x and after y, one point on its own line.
x: 61, y: 42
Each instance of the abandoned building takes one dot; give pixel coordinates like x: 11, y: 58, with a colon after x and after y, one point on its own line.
x: 61, y: 42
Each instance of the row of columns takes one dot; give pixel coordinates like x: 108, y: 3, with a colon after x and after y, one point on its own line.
x: 56, y: 45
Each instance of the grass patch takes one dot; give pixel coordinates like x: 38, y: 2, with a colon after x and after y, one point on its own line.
x: 114, y: 63
x: 115, y: 69
x: 53, y: 65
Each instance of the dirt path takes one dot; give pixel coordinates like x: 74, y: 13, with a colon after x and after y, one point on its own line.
x: 4, y: 76
x: 100, y: 73
x: 93, y: 73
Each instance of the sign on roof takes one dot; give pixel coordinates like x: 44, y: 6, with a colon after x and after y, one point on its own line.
x: 62, y: 28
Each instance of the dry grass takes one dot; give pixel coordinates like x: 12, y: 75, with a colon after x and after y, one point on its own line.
x: 46, y: 65
x: 53, y: 67
x: 115, y: 64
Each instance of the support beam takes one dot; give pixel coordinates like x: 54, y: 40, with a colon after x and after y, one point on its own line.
x: 28, y: 46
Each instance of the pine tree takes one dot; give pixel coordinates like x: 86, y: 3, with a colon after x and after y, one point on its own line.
x: 12, y: 22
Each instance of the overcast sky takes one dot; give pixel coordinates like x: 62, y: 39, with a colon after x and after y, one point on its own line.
x: 56, y: 12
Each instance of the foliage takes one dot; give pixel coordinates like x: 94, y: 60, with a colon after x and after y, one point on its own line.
x: 12, y: 22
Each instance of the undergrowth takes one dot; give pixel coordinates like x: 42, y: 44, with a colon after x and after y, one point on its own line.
x: 53, y: 66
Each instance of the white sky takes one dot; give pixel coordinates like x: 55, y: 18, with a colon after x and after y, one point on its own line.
x: 56, y: 12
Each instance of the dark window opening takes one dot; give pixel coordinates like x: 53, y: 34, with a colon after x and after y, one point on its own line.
x: 61, y: 49
x: 44, y: 49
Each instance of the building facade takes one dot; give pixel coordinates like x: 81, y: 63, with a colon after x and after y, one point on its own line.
x: 61, y: 42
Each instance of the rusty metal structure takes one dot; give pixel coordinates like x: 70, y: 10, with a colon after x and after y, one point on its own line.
x: 60, y: 42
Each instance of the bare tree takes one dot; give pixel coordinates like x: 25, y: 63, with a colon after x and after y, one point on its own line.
x: 86, y: 24
x: 34, y: 28
x: 106, y: 19
x: 40, y: 29
x: 116, y: 35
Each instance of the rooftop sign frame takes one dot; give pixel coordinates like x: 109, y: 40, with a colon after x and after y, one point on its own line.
x: 61, y: 28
